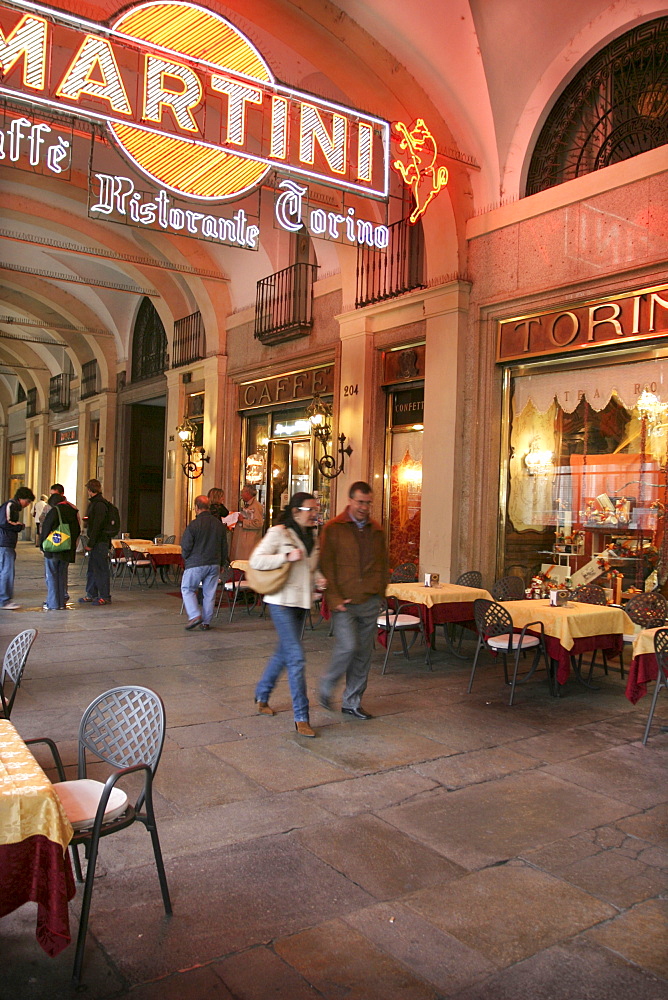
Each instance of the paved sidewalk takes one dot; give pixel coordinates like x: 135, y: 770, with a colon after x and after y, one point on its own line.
x: 450, y: 847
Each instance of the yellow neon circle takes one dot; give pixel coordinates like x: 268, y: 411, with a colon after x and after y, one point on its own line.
x: 178, y: 163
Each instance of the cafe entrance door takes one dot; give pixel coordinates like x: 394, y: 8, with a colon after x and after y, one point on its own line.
x: 289, y: 473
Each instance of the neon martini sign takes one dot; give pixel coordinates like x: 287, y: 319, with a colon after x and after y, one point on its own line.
x: 188, y: 100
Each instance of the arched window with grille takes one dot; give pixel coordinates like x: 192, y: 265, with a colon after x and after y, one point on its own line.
x: 616, y: 107
x: 149, y: 343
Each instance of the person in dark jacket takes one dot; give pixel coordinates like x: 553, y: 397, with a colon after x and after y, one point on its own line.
x: 10, y: 527
x: 204, y: 550
x: 56, y: 564
x: 98, y: 578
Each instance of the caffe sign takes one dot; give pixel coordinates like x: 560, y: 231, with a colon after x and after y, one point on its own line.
x: 288, y: 388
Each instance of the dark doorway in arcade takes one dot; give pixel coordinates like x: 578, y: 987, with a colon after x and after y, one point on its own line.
x: 145, y: 470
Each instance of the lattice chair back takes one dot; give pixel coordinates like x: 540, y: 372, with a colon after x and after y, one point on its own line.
x: 508, y: 588
x: 491, y: 619
x: 661, y: 653
x: 123, y: 727
x: 405, y: 573
x: 649, y: 610
x: 472, y: 578
x: 589, y: 593
x: 169, y: 540
x: 13, y: 665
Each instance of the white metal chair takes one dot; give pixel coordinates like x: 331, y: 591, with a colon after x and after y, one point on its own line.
x: 497, y: 634
x: 395, y: 620
x: 137, y: 566
x: 124, y: 728
x: 13, y: 665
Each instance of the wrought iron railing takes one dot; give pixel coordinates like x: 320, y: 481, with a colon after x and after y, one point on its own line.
x: 31, y: 402
x: 59, y: 392
x: 384, y: 274
x: 90, y: 379
x: 284, y: 304
x: 189, y: 340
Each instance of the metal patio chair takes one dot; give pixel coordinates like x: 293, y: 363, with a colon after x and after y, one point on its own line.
x: 395, y: 620
x: 591, y: 593
x: 508, y: 588
x: 496, y: 633
x: 137, y: 566
x: 13, y: 665
x: 661, y: 653
x: 471, y: 578
x: 124, y: 728
x: 405, y: 573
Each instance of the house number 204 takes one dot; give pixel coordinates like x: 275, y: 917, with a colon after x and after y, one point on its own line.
x: 350, y: 390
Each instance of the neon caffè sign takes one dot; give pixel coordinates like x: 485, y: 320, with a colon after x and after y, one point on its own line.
x: 193, y: 106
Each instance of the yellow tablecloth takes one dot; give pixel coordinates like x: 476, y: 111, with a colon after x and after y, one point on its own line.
x: 445, y: 593
x: 568, y: 623
x: 148, y: 548
x: 29, y: 805
x: 643, y: 644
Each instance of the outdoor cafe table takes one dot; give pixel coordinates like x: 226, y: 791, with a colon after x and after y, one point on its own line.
x: 159, y: 554
x: 441, y: 605
x: 574, y: 629
x: 643, y: 667
x: 34, y: 834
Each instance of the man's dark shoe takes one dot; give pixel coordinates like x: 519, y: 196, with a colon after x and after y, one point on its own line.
x: 86, y: 600
x: 359, y: 713
x: 324, y: 702
x: 204, y: 627
x: 101, y: 600
x: 195, y: 623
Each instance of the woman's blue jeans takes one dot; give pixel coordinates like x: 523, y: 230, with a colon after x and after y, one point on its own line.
x: 288, y: 655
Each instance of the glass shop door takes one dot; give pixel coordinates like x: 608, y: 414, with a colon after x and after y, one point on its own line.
x: 289, y: 473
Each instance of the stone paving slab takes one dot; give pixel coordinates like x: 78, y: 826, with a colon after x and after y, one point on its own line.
x: 639, y: 935
x: 374, y: 856
x: 510, y: 912
x: 491, y: 822
x: 429, y: 952
x: 370, y: 792
x: 340, y: 962
x: 616, y: 771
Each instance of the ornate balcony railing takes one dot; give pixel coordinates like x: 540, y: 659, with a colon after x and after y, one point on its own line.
x: 284, y: 304
x: 90, y: 379
x: 189, y: 340
x: 59, y: 392
x: 384, y: 274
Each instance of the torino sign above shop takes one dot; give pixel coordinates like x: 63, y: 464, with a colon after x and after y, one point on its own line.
x: 190, y: 104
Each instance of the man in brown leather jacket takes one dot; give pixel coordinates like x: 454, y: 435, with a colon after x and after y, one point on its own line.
x: 353, y: 558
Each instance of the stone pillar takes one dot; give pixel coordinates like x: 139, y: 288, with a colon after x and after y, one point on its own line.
x: 216, y: 430
x: 354, y: 404
x: 108, y: 408
x: 174, y: 492
x: 443, y: 468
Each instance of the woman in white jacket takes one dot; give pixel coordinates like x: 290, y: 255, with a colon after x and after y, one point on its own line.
x: 292, y: 540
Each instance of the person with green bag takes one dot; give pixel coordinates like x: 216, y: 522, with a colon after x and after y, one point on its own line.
x: 60, y: 532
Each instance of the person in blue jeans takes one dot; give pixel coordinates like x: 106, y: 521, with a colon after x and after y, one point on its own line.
x: 56, y: 564
x: 204, y: 551
x: 293, y: 541
x: 10, y: 528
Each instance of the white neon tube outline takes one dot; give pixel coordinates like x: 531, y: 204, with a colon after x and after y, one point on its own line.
x: 53, y: 14
x: 277, y: 165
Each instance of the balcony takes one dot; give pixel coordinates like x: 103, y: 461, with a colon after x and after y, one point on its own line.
x: 31, y: 403
x: 90, y: 379
x: 284, y: 304
x: 189, y: 340
x: 59, y: 392
x: 384, y: 274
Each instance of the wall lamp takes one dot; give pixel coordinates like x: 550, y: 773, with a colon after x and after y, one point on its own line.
x: 319, y: 414
x: 194, y: 466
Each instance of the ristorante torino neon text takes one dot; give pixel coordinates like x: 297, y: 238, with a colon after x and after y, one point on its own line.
x: 188, y: 99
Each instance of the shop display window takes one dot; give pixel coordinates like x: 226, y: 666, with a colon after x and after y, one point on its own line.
x: 587, y: 475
